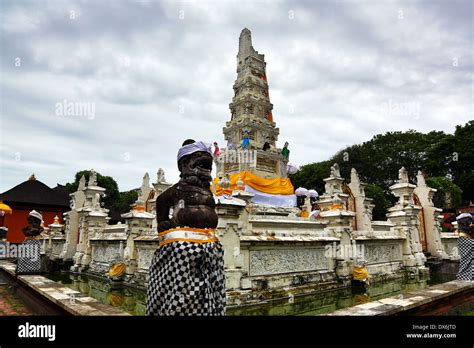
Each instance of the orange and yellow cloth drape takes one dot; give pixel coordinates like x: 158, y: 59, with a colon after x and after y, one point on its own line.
x: 276, y: 186
x: 360, y: 273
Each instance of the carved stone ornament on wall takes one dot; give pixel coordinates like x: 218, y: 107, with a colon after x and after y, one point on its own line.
x: 267, y: 262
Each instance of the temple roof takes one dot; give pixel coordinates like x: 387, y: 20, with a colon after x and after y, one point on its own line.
x: 34, y: 191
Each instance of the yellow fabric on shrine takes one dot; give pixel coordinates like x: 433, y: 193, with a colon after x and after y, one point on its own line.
x: 117, y: 270
x: 276, y: 186
x: 5, y: 208
x: 304, y: 214
x: 360, y: 273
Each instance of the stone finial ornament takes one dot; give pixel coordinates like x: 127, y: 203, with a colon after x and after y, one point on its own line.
x: 160, y: 176
x: 402, y: 175
x: 335, y: 171
x: 92, y: 178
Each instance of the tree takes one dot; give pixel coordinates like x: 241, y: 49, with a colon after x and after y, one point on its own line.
x: 127, y: 199
x: 461, y: 165
x: 448, y: 196
x: 448, y: 156
x: 379, y: 159
x: 381, y: 200
x: 311, y: 176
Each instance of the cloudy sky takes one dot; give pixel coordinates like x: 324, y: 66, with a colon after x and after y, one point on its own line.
x: 153, y: 73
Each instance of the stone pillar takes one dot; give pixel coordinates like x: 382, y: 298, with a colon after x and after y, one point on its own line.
x: 92, y: 219
x: 139, y: 223
x: 363, y: 205
x: 45, y: 239
x: 333, y: 186
x: 430, y: 213
x: 340, y: 226
x: 71, y: 218
x: 333, y: 204
x: 233, y: 220
x: 158, y: 188
x: 405, y: 217
x: 145, y: 189
x: 56, y: 239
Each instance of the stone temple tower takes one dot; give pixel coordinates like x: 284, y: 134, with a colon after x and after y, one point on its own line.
x: 251, y: 117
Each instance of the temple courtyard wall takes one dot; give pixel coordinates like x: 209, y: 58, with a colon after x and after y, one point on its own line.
x: 269, y: 251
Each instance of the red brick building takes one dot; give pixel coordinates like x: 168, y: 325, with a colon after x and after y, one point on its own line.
x: 29, y: 195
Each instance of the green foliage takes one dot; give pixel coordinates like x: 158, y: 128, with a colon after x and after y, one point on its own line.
x: 380, y: 200
x: 113, y: 200
x: 311, y: 176
x: 448, y: 196
x: 378, y: 160
x: 127, y: 199
x: 462, y: 161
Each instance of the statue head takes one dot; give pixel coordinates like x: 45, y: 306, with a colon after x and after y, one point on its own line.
x: 195, y: 163
x: 35, y: 219
x: 464, y: 221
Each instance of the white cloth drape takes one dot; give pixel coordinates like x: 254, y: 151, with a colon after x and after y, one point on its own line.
x: 272, y: 199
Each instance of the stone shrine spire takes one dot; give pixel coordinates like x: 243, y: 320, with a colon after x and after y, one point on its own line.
x: 251, y: 126
x: 246, y: 49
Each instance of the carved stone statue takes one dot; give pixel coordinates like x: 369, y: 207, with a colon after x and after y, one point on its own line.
x: 160, y: 176
x: 191, y: 198
x: 402, y: 175
x: 335, y: 172
x: 92, y: 178
x: 190, y: 258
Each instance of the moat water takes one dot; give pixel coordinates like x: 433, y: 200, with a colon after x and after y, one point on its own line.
x: 133, y: 301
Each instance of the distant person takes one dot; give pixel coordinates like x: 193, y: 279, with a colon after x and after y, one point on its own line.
x: 314, y: 211
x: 29, y: 254
x: 245, y: 140
x: 217, y: 151
x: 466, y: 247
x: 285, y: 151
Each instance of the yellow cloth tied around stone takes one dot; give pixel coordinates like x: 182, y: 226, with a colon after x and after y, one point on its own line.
x: 360, y: 273
x: 117, y: 270
x: 188, y: 234
x: 276, y: 186
x: 304, y: 214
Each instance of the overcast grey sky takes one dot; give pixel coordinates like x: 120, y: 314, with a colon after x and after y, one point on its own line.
x: 158, y: 72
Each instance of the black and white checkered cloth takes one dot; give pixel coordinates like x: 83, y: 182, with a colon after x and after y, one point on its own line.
x: 466, y: 262
x: 29, y: 257
x: 187, y: 278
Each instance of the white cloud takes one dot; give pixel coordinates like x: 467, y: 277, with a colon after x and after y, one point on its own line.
x: 157, y: 75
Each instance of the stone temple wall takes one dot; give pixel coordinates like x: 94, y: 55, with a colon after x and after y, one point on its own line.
x: 269, y: 251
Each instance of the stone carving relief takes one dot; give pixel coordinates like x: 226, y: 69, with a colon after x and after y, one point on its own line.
x: 267, y: 262
x: 377, y: 253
